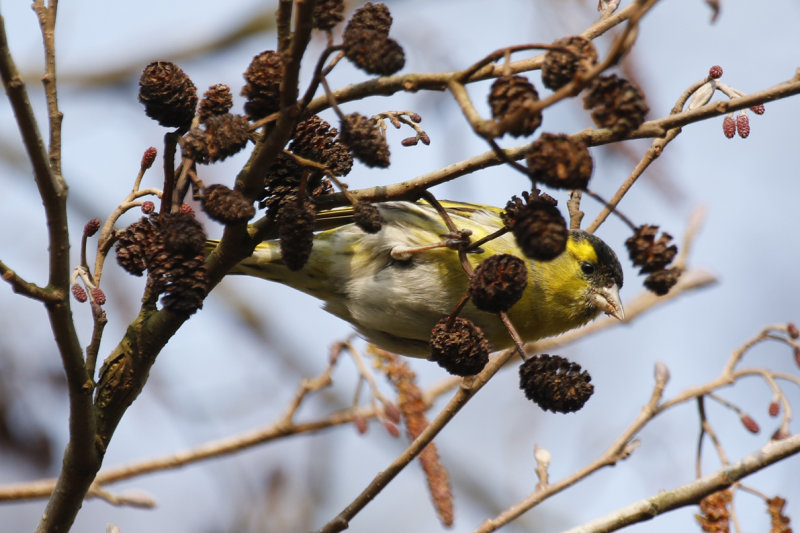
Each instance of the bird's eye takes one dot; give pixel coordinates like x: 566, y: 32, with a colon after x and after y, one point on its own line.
x: 587, y: 268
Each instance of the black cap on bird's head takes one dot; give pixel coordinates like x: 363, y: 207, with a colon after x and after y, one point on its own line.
x: 606, y: 258
x: 604, y: 272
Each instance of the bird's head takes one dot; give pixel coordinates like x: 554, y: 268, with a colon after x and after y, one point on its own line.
x: 600, y: 274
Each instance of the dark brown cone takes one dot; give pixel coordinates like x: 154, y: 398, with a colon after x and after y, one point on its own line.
x: 461, y: 349
x: 616, y: 104
x: 393, y: 59
x: 226, y: 134
x: 367, y: 217
x: 282, y: 183
x: 182, y: 234
x: 554, y: 383
x: 510, y: 99
x: 560, y: 162
x: 263, y: 87
x: 282, y: 180
x: 661, y: 281
x: 227, y: 206
x: 170, y: 248
x: 296, y: 233
x: 187, y: 285
x: 498, y: 283
x: 538, y: 226
x: 364, y: 139
x: 195, y: 145
x: 132, y: 245
x: 315, y: 139
x: 647, y: 252
x: 373, y: 53
x: 559, y: 67
x: 223, y: 136
x: 367, y: 44
x: 217, y: 100
x: 373, y: 17
x: 328, y: 13
x: 168, y: 95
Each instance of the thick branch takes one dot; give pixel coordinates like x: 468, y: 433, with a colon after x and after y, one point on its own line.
x: 693, y: 492
x: 80, y: 458
x: 250, y: 179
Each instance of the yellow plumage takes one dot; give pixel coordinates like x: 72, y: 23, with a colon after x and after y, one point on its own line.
x: 395, y: 303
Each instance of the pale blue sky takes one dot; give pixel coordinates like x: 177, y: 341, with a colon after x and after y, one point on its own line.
x: 215, y: 378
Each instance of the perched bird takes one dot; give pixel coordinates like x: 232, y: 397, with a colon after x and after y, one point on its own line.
x: 393, y: 290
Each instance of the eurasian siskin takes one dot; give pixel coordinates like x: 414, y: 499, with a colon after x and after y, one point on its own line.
x: 394, y: 293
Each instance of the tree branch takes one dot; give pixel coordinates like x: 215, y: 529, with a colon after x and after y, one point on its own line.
x: 47, y: 22
x: 691, y: 493
x: 80, y: 456
x: 26, y: 288
x: 470, y: 386
x: 411, y: 189
x: 389, y: 85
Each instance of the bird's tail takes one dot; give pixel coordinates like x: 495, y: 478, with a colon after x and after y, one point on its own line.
x: 266, y: 263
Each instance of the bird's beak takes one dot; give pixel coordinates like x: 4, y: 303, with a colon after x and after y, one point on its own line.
x: 607, y: 300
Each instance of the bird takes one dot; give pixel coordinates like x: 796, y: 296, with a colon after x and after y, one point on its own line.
x: 394, y: 285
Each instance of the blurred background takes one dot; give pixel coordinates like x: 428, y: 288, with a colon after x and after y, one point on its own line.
x: 234, y: 366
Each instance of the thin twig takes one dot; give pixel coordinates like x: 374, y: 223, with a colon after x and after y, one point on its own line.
x: 655, y: 150
x: 620, y: 449
x: 706, y: 429
x: 379, y: 482
x: 574, y: 209
x: 47, y: 21
x: 388, y: 85
x: 318, y: 75
x: 26, y: 288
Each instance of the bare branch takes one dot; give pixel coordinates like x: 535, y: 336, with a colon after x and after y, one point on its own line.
x: 80, y: 457
x: 31, y: 290
x: 691, y: 493
x: 411, y: 189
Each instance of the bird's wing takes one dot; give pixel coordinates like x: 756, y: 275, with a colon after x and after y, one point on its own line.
x: 478, y: 218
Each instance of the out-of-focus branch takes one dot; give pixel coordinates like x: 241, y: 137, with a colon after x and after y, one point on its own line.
x: 470, y: 386
x: 283, y: 427
x: 116, y: 74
